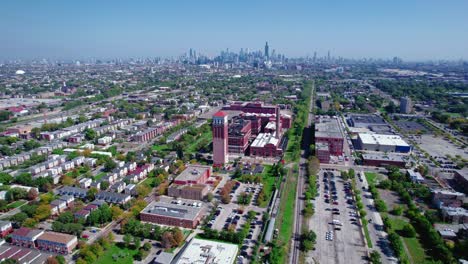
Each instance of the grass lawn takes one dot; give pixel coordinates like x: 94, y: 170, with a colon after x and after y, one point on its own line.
x: 416, y: 251
x: 285, y: 218
x: 161, y: 148
x: 99, y: 176
x: 15, y: 204
x: 371, y: 177
x: 268, y: 182
x: 149, y: 181
x: 192, y: 147
x: 366, y: 233
x: 125, y: 255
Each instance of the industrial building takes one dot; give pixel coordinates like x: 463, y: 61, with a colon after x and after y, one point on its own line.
x: 172, y: 214
x: 383, y: 143
x: 209, y: 252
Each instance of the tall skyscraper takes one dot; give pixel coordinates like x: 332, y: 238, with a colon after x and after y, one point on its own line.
x: 406, y: 106
x: 267, y: 52
x: 220, y: 138
x: 328, y: 56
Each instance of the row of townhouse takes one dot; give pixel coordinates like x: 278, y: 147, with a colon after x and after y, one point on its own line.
x: 113, y: 126
x: 139, y: 173
x: 22, y: 157
x: 44, y: 240
x: 55, y: 167
x: 86, y: 211
x: 153, y: 132
x: 110, y: 197
x: 69, y: 131
x: 61, y: 204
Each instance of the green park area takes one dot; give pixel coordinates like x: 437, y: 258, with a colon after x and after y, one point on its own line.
x: 117, y: 255
x: 412, y: 244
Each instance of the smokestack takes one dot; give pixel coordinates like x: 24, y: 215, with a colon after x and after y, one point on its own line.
x: 278, y: 130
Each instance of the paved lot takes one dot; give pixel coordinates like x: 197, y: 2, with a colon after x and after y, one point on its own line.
x: 347, y: 245
x: 438, y: 146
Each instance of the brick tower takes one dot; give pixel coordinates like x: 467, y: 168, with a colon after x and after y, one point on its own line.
x: 220, y: 138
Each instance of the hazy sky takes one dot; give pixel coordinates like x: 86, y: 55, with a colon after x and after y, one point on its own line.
x: 413, y: 30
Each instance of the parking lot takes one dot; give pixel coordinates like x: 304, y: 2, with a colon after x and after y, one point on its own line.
x: 339, y: 237
x: 233, y: 216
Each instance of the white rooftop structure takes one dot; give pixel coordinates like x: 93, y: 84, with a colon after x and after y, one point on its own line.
x: 200, y: 251
x: 383, y: 140
x: 265, y: 138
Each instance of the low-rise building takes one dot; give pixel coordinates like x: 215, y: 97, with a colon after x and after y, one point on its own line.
x: 208, y: 251
x: 172, y: 214
x: 194, y: 174
x: 112, y: 197
x: 191, y: 191
x: 5, y: 228
x: 85, y: 183
x: 57, y: 242
x: 25, y: 237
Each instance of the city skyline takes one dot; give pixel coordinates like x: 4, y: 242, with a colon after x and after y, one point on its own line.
x: 428, y: 30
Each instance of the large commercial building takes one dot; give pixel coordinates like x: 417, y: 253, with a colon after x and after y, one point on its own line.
x: 208, y: 252
x: 220, y: 138
x: 328, y: 132
x: 383, y: 143
x: 172, y: 214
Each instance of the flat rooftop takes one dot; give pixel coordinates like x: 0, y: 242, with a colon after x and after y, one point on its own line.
x: 192, y: 173
x: 384, y: 157
x: 383, y: 140
x: 367, y: 119
x: 327, y: 127
x: 264, y: 138
x: 200, y: 251
x: 172, y: 210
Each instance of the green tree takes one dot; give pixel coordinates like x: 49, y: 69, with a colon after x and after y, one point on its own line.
x: 375, y: 257
x: 90, y: 134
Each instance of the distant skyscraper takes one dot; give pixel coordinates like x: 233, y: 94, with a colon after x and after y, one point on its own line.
x: 267, y: 52
x: 220, y: 138
x: 328, y: 56
x: 406, y: 106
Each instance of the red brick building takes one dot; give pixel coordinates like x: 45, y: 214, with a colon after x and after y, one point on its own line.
x: 171, y: 214
x: 57, y: 242
x: 239, y: 133
x: 194, y: 174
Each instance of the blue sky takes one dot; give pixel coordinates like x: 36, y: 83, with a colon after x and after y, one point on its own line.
x: 413, y: 30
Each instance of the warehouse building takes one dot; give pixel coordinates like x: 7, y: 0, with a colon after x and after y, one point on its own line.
x: 383, y: 143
